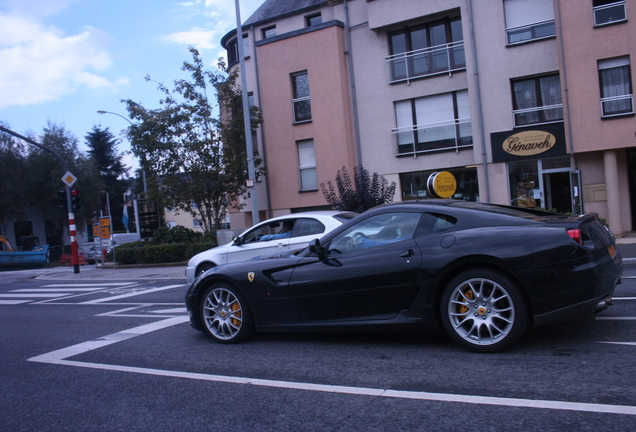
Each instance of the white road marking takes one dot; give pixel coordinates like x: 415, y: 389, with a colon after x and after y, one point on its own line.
x: 620, y: 343
x: 13, y: 302
x: 59, y: 357
x: 131, y: 294
x: 616, y: 318
x: 24, y: 290
x: 105, y: 284
x: 40, y: 295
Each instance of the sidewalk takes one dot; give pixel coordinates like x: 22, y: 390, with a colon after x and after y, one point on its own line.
x: 175, y: 272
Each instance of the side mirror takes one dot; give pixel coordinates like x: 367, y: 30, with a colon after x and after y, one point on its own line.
x: 237, y: 241
x: 314, y: 247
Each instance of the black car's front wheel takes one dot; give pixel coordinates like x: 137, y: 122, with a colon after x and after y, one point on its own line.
x: 484, y: 311
x: 225, y: 314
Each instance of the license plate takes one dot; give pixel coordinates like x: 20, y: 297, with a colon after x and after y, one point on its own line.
x: 612, y: 251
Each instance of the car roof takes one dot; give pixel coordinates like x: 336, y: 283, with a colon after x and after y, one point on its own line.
x: 317, y: 213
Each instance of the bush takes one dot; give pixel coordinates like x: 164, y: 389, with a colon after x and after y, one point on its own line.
x: 148, y: 253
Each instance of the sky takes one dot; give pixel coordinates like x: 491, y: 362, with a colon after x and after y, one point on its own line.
x: 63, y: 60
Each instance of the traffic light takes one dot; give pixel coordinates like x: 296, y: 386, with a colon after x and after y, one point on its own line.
x: 75, y: 200
x: 61, y: 198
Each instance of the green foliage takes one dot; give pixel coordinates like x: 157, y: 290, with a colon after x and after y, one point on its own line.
x: 365, y: 192
x: 178, y: 234
x: 195, y: 162
x: 108, y: 163
x: 148, y: 253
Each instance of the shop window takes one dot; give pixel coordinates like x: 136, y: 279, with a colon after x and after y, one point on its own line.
x: 537, y: 100
x: 431, y: 123
x: 616, y: 87
x: 413, y: 184
x: 609, y: 12
x: 426, y: 49
x: 529, y: 20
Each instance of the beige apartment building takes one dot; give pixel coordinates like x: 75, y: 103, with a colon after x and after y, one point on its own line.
x: 525, y: 102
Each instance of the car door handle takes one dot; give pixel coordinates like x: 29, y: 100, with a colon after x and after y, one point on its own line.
x: 407, y: 254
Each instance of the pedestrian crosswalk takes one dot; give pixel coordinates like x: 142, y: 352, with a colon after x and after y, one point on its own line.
x: 56, y: 292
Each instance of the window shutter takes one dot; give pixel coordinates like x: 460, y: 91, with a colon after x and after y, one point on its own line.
x: 613, y: 62
x: 521, y: 13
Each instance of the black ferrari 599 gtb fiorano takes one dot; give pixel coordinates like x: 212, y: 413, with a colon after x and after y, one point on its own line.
x: 482, y: 272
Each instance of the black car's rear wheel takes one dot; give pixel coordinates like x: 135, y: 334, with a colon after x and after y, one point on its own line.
x: 484, y: 311
x: 225, y: 314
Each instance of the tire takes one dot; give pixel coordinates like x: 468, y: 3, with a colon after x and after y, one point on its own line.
x: 484, y: 311
x: 225, y: 314
x: 203, y: 268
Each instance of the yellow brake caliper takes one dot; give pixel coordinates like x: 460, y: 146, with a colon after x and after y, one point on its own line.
x: 470, y: 295
x: 235, y: 307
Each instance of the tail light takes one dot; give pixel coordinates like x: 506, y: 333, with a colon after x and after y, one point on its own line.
x: 575, y: 234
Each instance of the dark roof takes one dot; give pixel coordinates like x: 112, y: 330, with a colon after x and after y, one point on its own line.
x: 272, y: 9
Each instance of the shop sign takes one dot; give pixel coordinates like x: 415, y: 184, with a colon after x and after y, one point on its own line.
x: 442, y: 184
x: 528, y: 143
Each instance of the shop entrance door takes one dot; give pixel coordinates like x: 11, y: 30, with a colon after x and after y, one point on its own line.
x: 558, y: 194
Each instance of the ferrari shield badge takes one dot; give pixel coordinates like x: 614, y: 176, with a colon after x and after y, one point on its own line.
x: 250, y: 276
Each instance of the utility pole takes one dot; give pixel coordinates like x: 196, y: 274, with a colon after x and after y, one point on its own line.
x: 68, y: 180
x: 247, y: 121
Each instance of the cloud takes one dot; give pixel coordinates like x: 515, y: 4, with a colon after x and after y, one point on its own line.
x: 40, y: 64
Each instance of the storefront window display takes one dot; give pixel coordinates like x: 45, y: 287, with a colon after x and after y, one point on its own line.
x: 414, y: 184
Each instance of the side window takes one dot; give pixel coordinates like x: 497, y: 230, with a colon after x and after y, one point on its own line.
x: 432, y: 223
x: 376, y: 231
x: 305, y: 227
x: 271, y: 231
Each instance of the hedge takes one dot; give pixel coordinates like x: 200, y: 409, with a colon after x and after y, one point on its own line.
x: 146, y: 253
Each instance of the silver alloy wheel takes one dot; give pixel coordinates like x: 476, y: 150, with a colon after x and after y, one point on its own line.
x: 222, y: 314
x: 481, y: 311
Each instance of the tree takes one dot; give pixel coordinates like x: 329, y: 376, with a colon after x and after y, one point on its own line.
x: 13, y: 168
x: 108, y: 162
x: 365, y: 192
x: 195, y: 161
x: 44, y: 172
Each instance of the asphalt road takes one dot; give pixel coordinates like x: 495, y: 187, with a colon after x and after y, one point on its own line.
x: 116, y: 353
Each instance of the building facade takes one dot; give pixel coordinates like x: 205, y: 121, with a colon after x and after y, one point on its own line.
x: 525, y: 102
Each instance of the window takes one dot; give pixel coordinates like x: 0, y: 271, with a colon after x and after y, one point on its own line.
x: 616, y: 87
x: 537, y: 100
x: 528, y: 20
x: 437, y: 122
x: 313, y: 20
x: 426, y: 49
x: 414, y: 185
x: 302, y: 106
x: 376, y: 231
x: 197, y: 223
x: 609, y: 12
x: 232, y: 50
x: 307, y: 165
x: 269, y: 32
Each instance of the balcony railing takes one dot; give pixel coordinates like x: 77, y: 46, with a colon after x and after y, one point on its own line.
x: 425, y: 62
x: 617, y: 105
x: 454, y: 135
x: 538, y: 115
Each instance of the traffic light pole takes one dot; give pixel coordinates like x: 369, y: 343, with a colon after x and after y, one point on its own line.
x: 71, y: 215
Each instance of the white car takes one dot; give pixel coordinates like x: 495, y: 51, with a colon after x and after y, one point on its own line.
x: 277, y: 235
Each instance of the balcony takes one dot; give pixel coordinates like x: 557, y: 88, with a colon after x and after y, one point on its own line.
x: 425, y: 62
x: 538, y: 115
x: 532, y: 32
x: 413, y: 140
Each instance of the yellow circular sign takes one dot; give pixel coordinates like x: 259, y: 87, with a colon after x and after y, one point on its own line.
x: 442, y: 184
